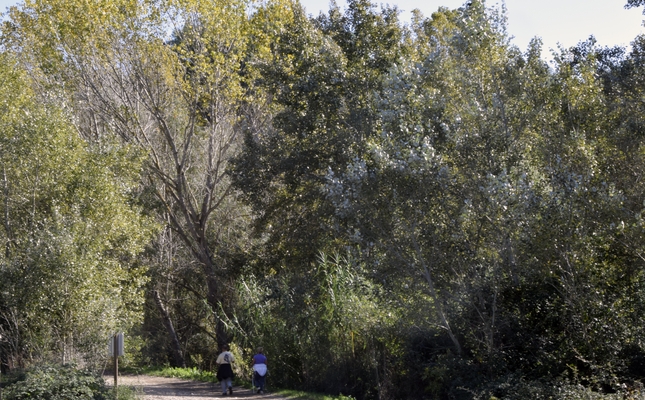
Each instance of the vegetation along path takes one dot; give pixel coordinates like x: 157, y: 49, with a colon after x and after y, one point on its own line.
x: 160, y: 388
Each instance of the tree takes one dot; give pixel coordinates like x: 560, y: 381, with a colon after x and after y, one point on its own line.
x: 71, y: 231
x: 486, y: 193
x: 321, y: 78
x: 415, y: 199
x: 324, y: 328
x: 179, y: 100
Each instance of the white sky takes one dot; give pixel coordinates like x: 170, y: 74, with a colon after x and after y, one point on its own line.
x: 566, y: 22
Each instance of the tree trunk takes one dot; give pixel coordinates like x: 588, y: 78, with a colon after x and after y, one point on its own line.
x: 174, y: 341
x: 215, y: 301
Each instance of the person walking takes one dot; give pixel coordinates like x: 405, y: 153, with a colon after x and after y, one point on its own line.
x: 259, y: 369
x: 225, y: 371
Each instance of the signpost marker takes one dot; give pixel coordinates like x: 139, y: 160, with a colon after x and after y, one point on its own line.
x: 116, y: 349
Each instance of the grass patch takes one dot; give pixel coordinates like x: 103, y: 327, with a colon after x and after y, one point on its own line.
x: 129, y: 393
x: 192, y: 374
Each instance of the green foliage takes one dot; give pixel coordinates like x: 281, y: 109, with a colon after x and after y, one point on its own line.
x: 325, y: 329
x: 490, y: 204
x: 322, y: 78
x: 71, y: 233
x: 58, y: 383
x: 127, y: 393
x: 496, y: 199
x: 487, y: 190
x: 176, y: 101
x: 184, y: 373
x: 298, y: 395
x: 514, y: 389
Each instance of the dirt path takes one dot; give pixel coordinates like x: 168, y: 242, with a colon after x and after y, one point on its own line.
x: 157, y: 388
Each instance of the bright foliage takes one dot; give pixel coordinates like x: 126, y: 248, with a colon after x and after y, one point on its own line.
x: 488, y: 204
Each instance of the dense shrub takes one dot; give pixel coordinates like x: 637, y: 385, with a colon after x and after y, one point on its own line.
x: 513, y: 388
x: 57, y: 383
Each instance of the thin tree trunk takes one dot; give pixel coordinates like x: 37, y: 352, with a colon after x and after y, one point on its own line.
x: 215, y: 301
x: 6, y: 213
x: 175, y: 347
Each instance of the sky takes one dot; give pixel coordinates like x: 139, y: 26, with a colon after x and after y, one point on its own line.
x: 557, y: 22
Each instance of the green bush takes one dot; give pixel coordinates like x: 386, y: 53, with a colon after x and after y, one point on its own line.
x: 184, y: 373
x: 57, y: 383
x: 514, y: 387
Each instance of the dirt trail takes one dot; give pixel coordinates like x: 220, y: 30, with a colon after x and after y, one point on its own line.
x: 157, y: 388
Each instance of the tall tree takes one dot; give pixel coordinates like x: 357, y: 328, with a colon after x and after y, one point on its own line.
x: 322, y: 78
x: 448, y: 137
x: 179, y: 100
x: 71, y: 231
x: 487, y: 193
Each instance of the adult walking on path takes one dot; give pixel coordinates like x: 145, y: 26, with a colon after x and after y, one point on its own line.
x: 259, y: 370
x: 225, y: 371
x: 159, y: 388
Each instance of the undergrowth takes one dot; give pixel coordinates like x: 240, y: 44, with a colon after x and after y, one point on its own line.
x: 55, y: 382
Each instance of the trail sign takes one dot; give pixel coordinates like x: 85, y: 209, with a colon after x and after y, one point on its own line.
x: 116, y: 342
x: 116, y: 349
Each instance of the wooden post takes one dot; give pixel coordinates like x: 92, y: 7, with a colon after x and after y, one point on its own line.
x: 116, y: 366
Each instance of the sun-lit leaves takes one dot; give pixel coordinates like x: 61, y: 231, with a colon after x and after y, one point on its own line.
x: 70, y: 235
x: 493, y: 202
x: 488, y: 176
